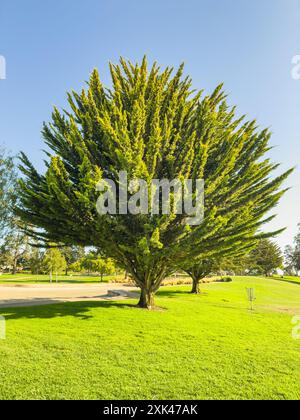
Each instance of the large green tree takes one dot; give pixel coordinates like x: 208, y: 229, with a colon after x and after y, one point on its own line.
x: 152, y: 125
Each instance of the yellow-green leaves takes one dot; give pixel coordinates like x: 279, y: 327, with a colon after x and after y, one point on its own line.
x: 153, y: 126
x: 155, y: 239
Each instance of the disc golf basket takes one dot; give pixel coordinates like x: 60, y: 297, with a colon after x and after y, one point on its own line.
x: 251, y: 296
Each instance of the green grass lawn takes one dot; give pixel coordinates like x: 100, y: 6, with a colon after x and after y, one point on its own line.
x: 291, y: 279
x: 199, y: 347
x: 28, y: 278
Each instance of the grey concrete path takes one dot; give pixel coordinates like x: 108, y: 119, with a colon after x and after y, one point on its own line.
x: 31, y: 294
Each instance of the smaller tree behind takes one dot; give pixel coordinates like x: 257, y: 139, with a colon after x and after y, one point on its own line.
x: 292, y: 256
x: 54, y: 262
x: 72, y: 254
x: 14, y: 249
x: 265, y: 258
x: 36, y: 261
x: 104, y: 266
x: 76, y: 266
x: 95, y: 263
x: 198, y: 271
x: 226, y: 259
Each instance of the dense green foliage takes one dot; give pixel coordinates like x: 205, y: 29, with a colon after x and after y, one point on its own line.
x: 93, y: 262
x: 54, y: 262
x: 207, y: 346
x: 265, y: 258
x: 153, y: 126
x: 36, y: 261
x: 72, y: 254
x: 15, y: 248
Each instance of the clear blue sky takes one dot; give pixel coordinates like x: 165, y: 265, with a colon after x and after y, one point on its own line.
x: 52, y: 46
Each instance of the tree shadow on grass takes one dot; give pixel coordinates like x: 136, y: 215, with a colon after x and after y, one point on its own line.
x: 51, y: 308
x: 59, y: 310
x: 290, y: 281
x: 176, y: 293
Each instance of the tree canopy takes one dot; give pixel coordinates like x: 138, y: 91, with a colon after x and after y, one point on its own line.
x: 15, y: 249
x: 71, y: 254
x: 265, y: 258
x: 54, y: 261
x: 152, y: 125
x: 94, y: 262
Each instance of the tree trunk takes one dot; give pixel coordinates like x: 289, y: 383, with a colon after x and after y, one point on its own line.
x: 146, y: 299
x: 148, y: 279
x: 101, y: 277
x: 15, y: 267
x: 195, y: 289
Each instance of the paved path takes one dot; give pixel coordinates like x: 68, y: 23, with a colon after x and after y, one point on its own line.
x: 31, y: 295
